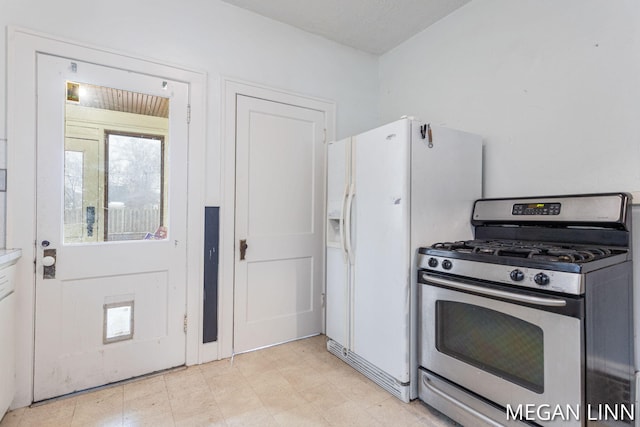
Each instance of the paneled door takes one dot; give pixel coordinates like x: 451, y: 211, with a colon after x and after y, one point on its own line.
x: 111, y: 225
x: 279, y: 219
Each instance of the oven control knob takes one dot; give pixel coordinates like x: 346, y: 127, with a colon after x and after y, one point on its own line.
x: 517, y: 275
x: 541, y: 279
x: 433, y: 263
x: 446, y: 264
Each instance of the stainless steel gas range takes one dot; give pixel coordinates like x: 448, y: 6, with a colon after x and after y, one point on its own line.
x: 531, y: 322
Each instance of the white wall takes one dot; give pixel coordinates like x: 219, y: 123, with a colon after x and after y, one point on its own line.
x: 553, y: 87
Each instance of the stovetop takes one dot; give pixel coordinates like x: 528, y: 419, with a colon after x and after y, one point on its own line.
x: 548, y: 266
x: 539, y: 251
x: 572, y: 258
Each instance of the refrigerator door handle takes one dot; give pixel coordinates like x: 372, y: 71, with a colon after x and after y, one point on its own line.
x: 347, y: 226
x: 343, y: 242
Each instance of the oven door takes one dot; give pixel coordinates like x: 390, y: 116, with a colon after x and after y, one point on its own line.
x: 514, y: 349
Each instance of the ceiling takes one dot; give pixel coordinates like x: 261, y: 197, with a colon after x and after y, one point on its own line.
x: 374, y: 26
x: 106, y: 98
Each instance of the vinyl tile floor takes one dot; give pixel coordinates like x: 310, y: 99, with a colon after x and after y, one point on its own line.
x: 294, y: 384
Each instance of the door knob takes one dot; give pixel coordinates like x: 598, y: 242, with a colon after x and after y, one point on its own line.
x: 49, y: 257
x: 243, y: 249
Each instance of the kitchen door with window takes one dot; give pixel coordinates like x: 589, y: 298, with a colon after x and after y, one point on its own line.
x: 111, y: 225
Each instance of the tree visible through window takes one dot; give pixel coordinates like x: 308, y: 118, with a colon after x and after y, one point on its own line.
x: 73, y: 193
x: 134, y: 187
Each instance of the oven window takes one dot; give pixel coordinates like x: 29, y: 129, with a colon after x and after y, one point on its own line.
x: 492, y: 341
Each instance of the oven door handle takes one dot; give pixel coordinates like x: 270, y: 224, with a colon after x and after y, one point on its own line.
x: 551, y: 302
x: 460, y: 405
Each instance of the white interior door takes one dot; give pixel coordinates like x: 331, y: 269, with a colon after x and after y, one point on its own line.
x: 111, y: 221
x: 279, y: 214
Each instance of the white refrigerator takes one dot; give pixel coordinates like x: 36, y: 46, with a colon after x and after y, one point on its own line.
x: 389, y: 191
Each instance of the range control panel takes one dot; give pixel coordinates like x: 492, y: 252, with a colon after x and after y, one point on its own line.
x: 611, y: 209
x: 532, y: 278
x: 536, y: 209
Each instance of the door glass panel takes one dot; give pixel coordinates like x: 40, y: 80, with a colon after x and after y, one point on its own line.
x: 115, y: 165
x: 492, y: 341
x: 134, y: 188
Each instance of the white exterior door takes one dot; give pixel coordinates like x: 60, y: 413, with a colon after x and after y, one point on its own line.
x: 279, y: 223
x: 111, y: 225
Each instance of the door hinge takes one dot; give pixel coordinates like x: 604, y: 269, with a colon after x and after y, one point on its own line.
x: 35, y: 261
x: 188, y: 113
x: 325, y: 135
x: 323, y: 299
x: 185, y: 324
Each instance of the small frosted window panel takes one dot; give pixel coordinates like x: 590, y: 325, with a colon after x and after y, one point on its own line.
x: 118, y: 322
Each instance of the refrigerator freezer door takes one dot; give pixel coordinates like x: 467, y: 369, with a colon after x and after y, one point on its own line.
x: 337, y: 292
x: 381, y: 238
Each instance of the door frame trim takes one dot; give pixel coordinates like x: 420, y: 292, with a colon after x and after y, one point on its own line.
x: 23, y: 45
x: 230, y: 89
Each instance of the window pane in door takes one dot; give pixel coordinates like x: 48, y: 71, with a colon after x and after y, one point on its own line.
x: 115, y: 188
x: 135, y: 199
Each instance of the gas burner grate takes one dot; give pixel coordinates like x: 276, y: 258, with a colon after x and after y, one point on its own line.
x: 540, y: 251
